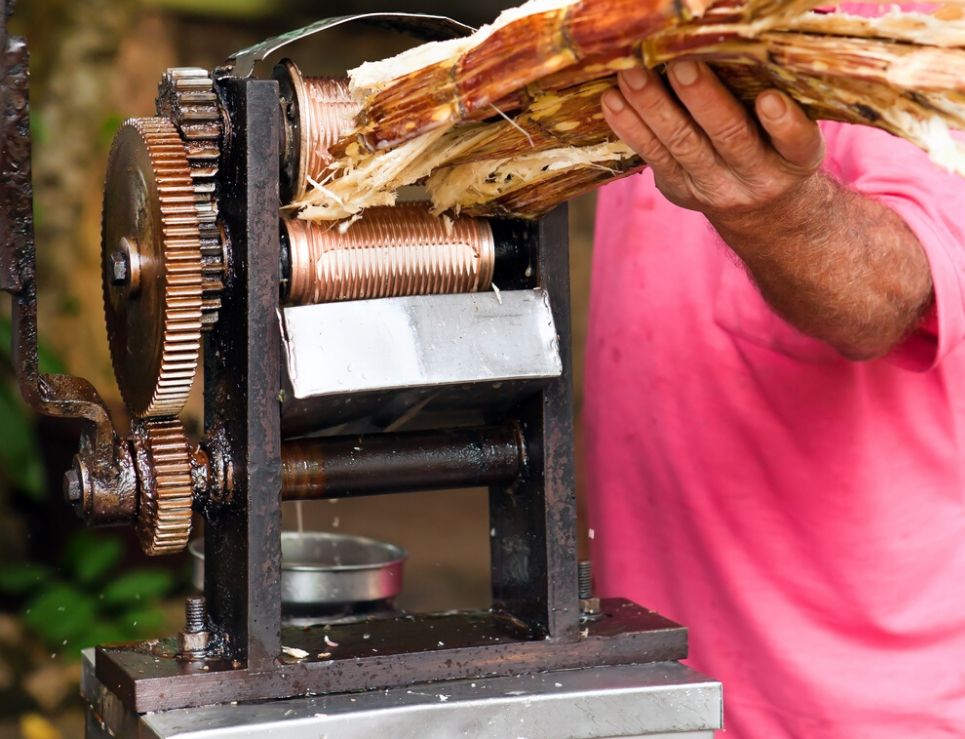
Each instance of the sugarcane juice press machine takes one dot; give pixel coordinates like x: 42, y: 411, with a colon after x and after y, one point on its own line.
x: 404, y: 353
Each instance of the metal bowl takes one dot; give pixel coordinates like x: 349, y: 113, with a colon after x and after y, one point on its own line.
x: 329, y: 571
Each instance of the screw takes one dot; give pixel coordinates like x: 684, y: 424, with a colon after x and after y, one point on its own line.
x: 195, y: 614
x: 73, y: 487
x: 585, y: 574
x: 120, y: 268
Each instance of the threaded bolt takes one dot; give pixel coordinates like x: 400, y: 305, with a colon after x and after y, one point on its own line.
x: 195, y: 614
x: 584, y: 571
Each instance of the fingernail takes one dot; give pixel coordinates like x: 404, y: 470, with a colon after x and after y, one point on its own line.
x: 772, y: 105
x: 635, y: 78
x: 685, y: 73
x: 614, y: 101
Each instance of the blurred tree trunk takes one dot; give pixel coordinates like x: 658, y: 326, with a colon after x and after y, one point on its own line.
x: 74, y: 48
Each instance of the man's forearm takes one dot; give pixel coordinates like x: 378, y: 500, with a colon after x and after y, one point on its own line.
x: 835, y: 264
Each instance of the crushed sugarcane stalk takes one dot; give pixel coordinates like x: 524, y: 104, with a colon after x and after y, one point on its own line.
x: 508, y: 121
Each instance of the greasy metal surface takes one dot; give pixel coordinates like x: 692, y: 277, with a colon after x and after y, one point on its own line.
x: 404, y: 250
x: 419, y: 341
x: 533, y: 550
x: 186, y: 95
x: 373, y: 464
x: 633, y: 700
x: 320, y: 568
x: 103, y: 465
x: 389, y: 652
x: 242, y: 536
x: 165, y: 490
x: 425, y: 27
x: 317, y: 111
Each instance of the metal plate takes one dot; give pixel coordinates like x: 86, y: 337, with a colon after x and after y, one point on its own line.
x: 369, y: 346
x: 631, y: 700
x: 425, y: 27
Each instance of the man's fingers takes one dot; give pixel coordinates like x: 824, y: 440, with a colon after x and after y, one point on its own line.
x: 795, y: 137
x: 672, y: 125
x: 725, y: 121
x: 626, y: 124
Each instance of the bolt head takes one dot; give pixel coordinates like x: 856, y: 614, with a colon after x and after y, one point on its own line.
x: 120, y: 268
x: 73, y: 487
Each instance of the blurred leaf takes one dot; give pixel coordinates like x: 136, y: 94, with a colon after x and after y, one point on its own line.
x: 243, y: 9
x: 38, y: 131
x: 19, y: 454
x: 70, y: 305
x: 141, y: 622
x: 35, y: 726
x: 138, y: 585
x: 47, y: 360
x: 22, y: 577
x: 61, y: 613
x: 102, y: 634
x: 90, y: 556
x: 108, y: 128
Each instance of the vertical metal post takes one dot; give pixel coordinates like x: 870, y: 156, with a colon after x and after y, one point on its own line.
x: 243, y: 540
x: 533, y: 523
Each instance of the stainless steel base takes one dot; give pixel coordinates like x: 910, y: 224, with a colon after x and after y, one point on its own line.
x: 660, y: 700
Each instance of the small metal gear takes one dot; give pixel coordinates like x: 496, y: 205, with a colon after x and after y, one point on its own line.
x: 151, y: 252
x: 186, y: 95
x: 165, y: 490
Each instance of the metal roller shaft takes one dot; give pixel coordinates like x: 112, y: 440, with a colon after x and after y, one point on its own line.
x: 338, y: 467
x: 389, y: 252
x: 317, y: 111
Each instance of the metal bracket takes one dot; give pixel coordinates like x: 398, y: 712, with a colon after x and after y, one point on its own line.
x: 424, y: 27
x: 102, y: 484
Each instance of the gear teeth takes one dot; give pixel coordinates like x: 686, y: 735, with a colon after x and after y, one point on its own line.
x: 166, y: 490
x: 186, y: 95
x: 181, y: 251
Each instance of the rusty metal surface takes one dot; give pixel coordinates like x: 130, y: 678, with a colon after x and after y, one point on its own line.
x: 103, y: 474
x: 533, y: 548
x: 384, y: 653
x: 243, y: 532
x: 374, y: 464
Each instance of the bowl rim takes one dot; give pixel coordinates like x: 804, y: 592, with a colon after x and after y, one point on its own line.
x: 396, y: 555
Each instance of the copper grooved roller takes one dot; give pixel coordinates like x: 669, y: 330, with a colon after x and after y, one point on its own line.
x: 389, y: 252
x: 318, y: 111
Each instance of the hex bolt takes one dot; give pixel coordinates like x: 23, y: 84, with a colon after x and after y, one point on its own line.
x: 585, y: 575
x: 195, y: 614
x: 73, y: 487
x: 120, y: 268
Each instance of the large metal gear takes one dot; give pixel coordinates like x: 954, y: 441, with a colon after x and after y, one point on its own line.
x: 186, y: 95
x: 151, y: 252
x: 165, y: 490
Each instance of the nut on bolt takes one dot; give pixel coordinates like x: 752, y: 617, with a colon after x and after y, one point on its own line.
x: 589, y: 603
x: 75, y: 484
x: 193, y: 640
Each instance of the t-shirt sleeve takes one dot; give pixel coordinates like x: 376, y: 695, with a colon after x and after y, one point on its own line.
x: 931, y: 201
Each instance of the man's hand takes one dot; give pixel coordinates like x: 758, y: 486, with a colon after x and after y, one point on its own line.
x: 708, y: 154
x: 837, y: 265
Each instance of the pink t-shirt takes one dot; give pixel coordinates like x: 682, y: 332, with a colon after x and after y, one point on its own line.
x: 804, y: 515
